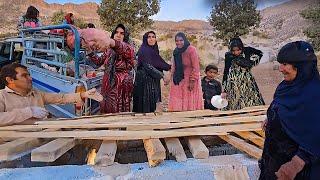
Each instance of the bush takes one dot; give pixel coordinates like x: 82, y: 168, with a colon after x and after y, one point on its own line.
x: 260, y: 34
x: 166, y: 54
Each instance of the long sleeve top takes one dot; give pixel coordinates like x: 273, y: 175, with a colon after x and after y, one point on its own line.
x: 15, y: 108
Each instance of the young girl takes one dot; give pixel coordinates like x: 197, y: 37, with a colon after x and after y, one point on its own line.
x: 238, y: 82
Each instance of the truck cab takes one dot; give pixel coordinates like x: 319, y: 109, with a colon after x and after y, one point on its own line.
x: 10, y: 51
x: 57, y: 69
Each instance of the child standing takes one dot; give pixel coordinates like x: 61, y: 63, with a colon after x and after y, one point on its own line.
x: 210, y: 86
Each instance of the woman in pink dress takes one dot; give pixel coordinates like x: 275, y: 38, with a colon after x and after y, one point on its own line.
x: 185, y: 86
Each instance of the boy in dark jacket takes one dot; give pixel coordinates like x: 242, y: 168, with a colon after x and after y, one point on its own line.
x: 210, y: 86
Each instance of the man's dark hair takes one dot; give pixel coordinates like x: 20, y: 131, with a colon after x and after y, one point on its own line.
x: 211, y: 66
x: 91, y: 25
x: 9, y: 70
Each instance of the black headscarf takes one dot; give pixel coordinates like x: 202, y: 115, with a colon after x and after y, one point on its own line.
x: 126, y: 32
x: 177, y: 54
x: 150, y: 54
x: 298, y: 101
x: 236, y: 42
x: 111, y: 69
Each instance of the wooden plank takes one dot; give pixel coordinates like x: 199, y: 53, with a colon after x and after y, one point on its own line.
x: 131, y: 135
x: 175, y: 148
x: 143, y: 125
x: 156, y: 153
x: 107, y: 153
x: 261, y: 133
x: 186, y: 114
x: 18, y: 148
x: 53, y: 150
x: 243, y: 146
x: 259, y: 141
x: 197, y: 148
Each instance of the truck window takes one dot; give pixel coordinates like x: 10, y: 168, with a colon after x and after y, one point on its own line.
x: 5, y: 50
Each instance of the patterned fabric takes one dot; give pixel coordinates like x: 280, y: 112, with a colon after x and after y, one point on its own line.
x: 180, y: 97
x: 117, y: 97
x: 241, y: 86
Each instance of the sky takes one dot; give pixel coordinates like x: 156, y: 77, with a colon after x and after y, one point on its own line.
x: 177, y: 10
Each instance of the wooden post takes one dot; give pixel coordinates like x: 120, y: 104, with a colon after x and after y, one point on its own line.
x: 53, y: 150
x: 156, y: 153
x: 197, y: 148
x: 107, y: 153
x: 175, y: 148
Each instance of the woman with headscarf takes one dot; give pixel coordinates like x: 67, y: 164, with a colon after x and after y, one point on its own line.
x: 68, y: 19
x: 30, y: 19
x: 117, y: 83
x: 147, y: 89
x: 185, y: 86
x: 238, y: 81
x: 292, y: 145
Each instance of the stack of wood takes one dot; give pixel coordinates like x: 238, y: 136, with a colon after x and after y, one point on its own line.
x: 47, y: 140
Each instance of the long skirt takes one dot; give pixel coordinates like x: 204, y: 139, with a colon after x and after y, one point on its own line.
x: 146, y: 92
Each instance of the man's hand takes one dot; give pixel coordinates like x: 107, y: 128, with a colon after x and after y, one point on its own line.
x: 289, y: 170
x: 39, y: 112
x: 92, y: 94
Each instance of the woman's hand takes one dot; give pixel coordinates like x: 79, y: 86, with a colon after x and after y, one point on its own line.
x: 223, y: 95
x: 289, y: 170
x: 191, y: 85
x: 264, y: 124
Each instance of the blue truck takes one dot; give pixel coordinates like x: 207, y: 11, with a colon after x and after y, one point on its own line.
x: 56, y: 69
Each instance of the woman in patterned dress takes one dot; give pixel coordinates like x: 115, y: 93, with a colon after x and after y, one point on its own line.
x: 238, y: 81
x: 117, y: 83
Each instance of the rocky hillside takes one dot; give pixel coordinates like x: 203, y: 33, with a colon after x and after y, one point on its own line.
x: 283, y: 22
x: 12, y: 9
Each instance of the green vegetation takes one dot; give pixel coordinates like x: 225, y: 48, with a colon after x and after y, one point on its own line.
x: 132, y: 13
x: 166, y: 54
x: 260, y: 34
x: 233, y: 18
x: 58, y: 17
x: 313, y: 32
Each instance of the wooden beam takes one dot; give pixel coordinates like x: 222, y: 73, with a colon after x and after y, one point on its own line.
x: 259, y: 141
x: 18, y: 148
x: 261, y: 133
x: 197, y: 148
x: 132, y: 135
x: 143, y: 125
x: 53, y: 150
x: 156, y: 153
x: 243, y: 146
x: 175, y: 148
x: 107, y: 153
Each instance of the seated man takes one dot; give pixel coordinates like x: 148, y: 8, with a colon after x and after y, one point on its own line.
x: 20, y: 104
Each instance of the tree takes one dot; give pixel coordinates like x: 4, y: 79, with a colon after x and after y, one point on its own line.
x: 313, y: 32
x: 134, y: 14
x: 58, y: 17
x: 233, y: 18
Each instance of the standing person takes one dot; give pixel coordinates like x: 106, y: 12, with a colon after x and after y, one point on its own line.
x: 185, y: 86
x: 238, y: 81
x: 291, y: 148
x: 210, y: 86
x: 30, y: 19
x: 68, y: 19
x: 147, y: 89
x: 117, y: 83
